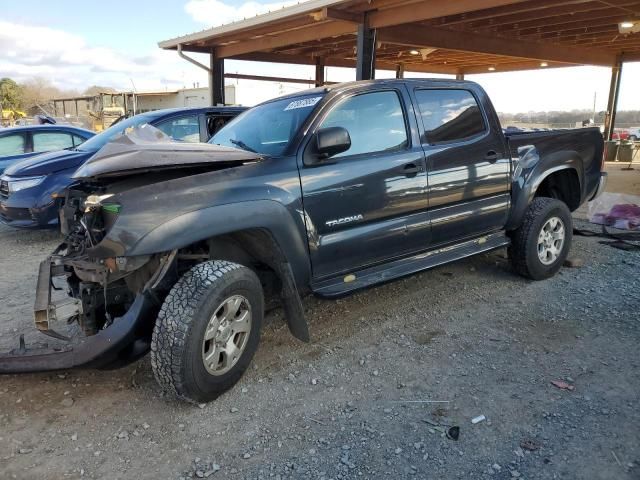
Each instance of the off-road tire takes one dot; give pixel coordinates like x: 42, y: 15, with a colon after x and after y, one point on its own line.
x: 524, y: 240
x: 176, y: 345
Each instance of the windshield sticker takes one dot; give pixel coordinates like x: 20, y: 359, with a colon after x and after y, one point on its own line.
x: 305, y: 102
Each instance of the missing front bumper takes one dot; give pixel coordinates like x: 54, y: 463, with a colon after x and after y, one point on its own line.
x: 46, y: 311
x: 125, y: 340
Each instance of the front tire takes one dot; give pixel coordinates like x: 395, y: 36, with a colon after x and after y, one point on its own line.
x: 541, y: 244
x: 207, y: 330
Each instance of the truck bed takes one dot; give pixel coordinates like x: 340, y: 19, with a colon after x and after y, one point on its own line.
x: 582, y: 144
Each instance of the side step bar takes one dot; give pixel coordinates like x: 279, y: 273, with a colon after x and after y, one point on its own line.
x: 406, y: 266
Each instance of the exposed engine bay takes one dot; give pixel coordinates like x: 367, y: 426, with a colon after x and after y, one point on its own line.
x: 101, y: 288
x: 98, y: 290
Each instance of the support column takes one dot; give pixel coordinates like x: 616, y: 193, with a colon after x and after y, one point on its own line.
x: 612, y: 102
x: 366, y: 49
x: 459, y: 76
x: 216, y: 80
x: 319, y: 72
x: 400, y: 70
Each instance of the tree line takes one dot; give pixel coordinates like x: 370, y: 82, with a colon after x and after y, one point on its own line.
x: 623, y: 117
x: 37, y: 93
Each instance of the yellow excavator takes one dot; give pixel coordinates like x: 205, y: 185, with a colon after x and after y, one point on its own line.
x: 9, y: 117
x: 105, y: 111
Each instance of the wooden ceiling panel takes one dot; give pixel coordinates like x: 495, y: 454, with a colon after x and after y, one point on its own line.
x: 467, y: 35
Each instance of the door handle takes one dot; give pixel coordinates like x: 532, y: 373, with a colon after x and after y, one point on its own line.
x: 491, y: 156
x: 411, y: 169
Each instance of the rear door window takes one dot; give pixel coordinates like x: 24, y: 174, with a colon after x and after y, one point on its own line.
x: 12, y: 144
x: 449, y: 115
x: 184, y: 129
x: 49, y: 141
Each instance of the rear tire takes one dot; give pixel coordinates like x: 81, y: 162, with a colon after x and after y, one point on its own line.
x: 541, y: 244
x: 207, y: 330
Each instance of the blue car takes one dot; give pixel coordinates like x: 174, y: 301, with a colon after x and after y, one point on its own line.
x: 31, y: 191
x: 18, y: 143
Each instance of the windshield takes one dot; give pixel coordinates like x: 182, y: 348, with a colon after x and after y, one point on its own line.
x: 268, y: 128
x: 97, y: 142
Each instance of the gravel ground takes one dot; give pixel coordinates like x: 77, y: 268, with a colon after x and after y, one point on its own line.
x: 389, y: 371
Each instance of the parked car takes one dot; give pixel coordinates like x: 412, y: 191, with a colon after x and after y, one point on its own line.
x: 31, y: 190
x: 634, y: 134
x: 176, y: 249
x: 18, y: 143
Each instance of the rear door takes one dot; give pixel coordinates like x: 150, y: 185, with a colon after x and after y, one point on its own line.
x: 366, y: 205
x: 467, y: 163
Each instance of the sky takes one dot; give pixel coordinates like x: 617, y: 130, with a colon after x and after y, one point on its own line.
x: 76, y: 44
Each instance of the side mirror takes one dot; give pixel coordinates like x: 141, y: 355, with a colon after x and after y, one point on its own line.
x: 331, y: 141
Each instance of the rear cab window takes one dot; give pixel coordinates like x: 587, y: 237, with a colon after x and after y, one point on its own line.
x: 449, y: 115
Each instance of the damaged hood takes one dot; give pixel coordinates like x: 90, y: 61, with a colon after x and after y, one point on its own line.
x: 146, y: 148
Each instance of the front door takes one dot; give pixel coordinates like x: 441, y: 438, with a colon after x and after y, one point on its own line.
x: 467, y: 162
x: 367, y: 204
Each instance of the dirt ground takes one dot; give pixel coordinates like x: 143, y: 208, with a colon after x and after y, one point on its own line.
x: 389, y: 370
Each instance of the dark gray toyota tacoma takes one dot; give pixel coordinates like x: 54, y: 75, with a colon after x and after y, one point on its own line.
x: 179, y: 248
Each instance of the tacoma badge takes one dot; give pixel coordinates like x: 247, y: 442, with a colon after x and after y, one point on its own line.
x: 340, y: 221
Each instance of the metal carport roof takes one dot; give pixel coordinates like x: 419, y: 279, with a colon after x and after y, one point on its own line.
x: 439, y: 36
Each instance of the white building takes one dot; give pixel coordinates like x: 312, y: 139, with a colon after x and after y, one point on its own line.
x: 186, y: 97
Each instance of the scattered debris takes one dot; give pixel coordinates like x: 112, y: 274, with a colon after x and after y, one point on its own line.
x: 562, y: 385
x: 67, y: 402
x: 453, y: 433
x: 616, y: 457
x: 478, y: 419
x: 530, y: 445
x: 574, y: 263
x: 420, y: 401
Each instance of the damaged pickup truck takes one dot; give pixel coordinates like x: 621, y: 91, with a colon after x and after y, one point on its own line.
x: 178, y: 248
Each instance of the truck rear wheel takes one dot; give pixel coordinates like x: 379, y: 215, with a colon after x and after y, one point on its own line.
x: 207, y: 330
x: 541, y: 244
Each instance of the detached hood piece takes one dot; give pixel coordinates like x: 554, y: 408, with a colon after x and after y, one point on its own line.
x: 146, y: 148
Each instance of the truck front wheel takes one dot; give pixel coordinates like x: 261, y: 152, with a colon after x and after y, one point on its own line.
x: 541, y: 244
x: 207, y: 330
